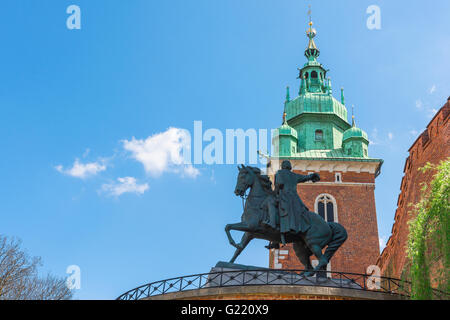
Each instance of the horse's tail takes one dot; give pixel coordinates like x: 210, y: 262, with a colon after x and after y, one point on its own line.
x: 339, y: 235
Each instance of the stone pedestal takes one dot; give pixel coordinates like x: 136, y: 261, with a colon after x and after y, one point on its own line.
x: 227, y: 274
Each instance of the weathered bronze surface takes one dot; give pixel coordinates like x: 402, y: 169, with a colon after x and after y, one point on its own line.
x: 280, y: 216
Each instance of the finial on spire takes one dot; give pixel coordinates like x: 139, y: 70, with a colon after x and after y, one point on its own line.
x: 287, y: 100
x: 353, y: 117
x: 342, y: 96
x: 311, y: 52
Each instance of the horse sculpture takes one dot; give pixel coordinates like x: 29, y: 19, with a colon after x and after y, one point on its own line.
x: 260, y: 197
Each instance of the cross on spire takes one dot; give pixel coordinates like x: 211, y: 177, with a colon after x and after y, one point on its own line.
x: 309, y: 13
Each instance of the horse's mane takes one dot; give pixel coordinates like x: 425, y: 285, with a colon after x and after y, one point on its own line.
x: 265, y: 181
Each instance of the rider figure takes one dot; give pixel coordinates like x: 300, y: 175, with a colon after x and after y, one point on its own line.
x: 291, y: 207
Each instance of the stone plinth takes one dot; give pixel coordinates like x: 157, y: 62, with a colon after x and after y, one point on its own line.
x: 275, y: 292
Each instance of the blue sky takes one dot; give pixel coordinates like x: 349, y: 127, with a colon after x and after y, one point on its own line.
x: 137, y: 68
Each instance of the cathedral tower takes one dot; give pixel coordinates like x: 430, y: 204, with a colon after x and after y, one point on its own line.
x: 316, y: 137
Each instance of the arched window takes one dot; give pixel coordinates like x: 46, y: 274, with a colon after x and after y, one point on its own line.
x: 326, y: 207
x: 306, y: 75
x: 314, y: 74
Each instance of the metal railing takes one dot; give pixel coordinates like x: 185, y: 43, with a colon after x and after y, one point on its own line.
x: 227, y: 278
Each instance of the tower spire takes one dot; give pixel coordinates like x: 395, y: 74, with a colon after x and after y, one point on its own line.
x: 311, y: 51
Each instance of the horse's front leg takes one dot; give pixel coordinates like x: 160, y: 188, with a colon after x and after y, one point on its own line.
x: 240, y: 226
x: 303, y: 254
x: 246, y: 238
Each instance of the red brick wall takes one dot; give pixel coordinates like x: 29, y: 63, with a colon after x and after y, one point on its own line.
x: 263, y: 296
x: 356, y: 212
x: 433, y: 145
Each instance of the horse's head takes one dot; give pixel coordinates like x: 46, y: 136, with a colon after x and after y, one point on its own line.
x: 245, y: 180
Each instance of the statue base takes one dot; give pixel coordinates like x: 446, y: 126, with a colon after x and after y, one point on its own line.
x: 235, y: 266
x: 232, y: 274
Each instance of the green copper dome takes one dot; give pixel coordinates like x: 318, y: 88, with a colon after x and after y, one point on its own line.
x: 315, y: 103
x: 285, y: 130
x: 355, y: 132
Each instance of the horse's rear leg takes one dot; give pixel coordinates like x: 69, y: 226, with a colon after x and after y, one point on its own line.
x: 338, y: 238
x: 246, y: 238
x: 317, y: 251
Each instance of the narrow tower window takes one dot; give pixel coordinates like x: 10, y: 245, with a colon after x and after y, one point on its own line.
x: 314, y: 74
x: 319, y: 135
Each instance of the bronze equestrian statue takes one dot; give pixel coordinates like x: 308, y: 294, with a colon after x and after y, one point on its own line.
x: 280, y: 216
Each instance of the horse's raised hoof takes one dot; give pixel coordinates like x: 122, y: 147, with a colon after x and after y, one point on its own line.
x: 321, y: 278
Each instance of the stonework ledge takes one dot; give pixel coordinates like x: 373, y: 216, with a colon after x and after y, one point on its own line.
x: 276, y: 292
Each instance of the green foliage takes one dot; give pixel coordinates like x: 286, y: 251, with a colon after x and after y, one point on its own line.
x: 428, y: 242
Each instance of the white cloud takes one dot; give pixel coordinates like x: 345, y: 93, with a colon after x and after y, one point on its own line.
x: 86, y: 153
x: 382, y: 139
x: 390, y: 135
x: 190, y: 171
x: 432, y: 89
x: 419, y: 104
x: 382, y: 242
x: 425, y: 106
x: 125, y: 185
x: 82, y: 171
x: 432, y: 112
x: 414, y: 132
x: 374, y: 136
x: 165, y: 151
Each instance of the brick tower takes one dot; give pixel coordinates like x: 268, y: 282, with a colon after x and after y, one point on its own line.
x: 317, y: 137
x: 433, y: 146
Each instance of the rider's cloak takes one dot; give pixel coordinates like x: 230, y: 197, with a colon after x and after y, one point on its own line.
x: 291, y: 208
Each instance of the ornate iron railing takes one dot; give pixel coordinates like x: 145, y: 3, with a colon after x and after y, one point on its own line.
x: 229, y: 278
